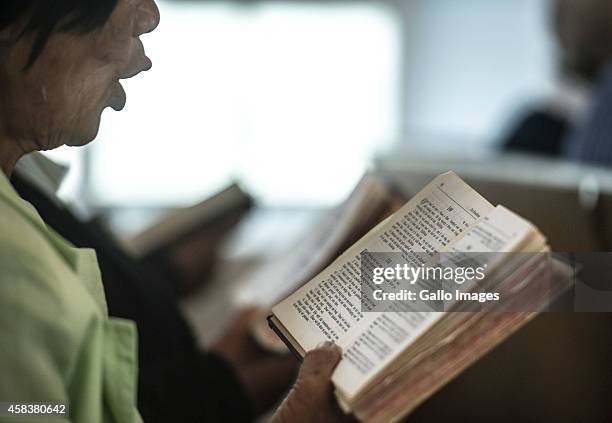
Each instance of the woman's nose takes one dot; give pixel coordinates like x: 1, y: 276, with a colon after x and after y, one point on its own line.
x: 147, y: 17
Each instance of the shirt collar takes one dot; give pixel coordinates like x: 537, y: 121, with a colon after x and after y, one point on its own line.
x: 8, y: 193
x: 44, y: 173
x: 83, y: 261
x: 25, y: 209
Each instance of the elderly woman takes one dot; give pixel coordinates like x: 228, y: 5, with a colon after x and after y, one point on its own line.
x: 61, y: 63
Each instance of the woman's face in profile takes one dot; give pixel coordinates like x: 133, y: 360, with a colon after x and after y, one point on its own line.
x: 60, y: 99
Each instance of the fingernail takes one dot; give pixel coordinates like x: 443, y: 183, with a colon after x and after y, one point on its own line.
x: 326, y: 344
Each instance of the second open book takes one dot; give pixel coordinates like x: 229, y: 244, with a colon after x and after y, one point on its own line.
x: 395, y: 358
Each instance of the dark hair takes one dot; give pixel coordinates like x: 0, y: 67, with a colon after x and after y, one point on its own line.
x: 42, y: 17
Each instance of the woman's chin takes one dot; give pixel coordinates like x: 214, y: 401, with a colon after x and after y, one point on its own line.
x: 86, y: 134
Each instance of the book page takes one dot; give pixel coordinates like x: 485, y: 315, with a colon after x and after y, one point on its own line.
x: 328, y: 307
x: 382, y: 336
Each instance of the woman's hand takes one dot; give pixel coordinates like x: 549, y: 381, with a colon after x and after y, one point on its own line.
x: 311, y: 398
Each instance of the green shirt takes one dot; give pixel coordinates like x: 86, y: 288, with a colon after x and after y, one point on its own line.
x: 57, y: 343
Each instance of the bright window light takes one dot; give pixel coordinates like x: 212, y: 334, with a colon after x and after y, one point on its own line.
x: 291, y: 99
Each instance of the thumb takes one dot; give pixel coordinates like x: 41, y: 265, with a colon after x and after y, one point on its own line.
x: 319, y: 364
x: 313, y: 381
x: 311, y: 398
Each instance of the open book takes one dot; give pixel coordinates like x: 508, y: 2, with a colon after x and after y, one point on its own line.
x: 398, y: 355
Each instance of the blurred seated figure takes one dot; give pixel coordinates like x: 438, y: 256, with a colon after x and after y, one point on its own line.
x: 591, y: 141
x: 581, y: 36
x: 542, y: 129
x: 591, y: 53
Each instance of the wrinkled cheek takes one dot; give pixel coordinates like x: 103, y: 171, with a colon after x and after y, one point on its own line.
x: 35, y: 114
x: 88, y: 103
x: 50, y: 120
x: 114, y: 47
x: 71, y: 113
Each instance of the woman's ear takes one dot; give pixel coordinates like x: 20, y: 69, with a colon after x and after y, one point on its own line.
x: 14, y: 49
x: 10, y: 38
x: 7, y: 35
x: 7, y: 40
x: 12, y: 32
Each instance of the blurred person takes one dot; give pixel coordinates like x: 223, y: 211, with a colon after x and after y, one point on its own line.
x: 60, y: 67
x: 589, y: 40
x: 582, y: 35
x: 591, y: 141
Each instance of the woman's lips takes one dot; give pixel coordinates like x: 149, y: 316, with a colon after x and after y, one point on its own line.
x: 117, y: 98
x: 140, y: 63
